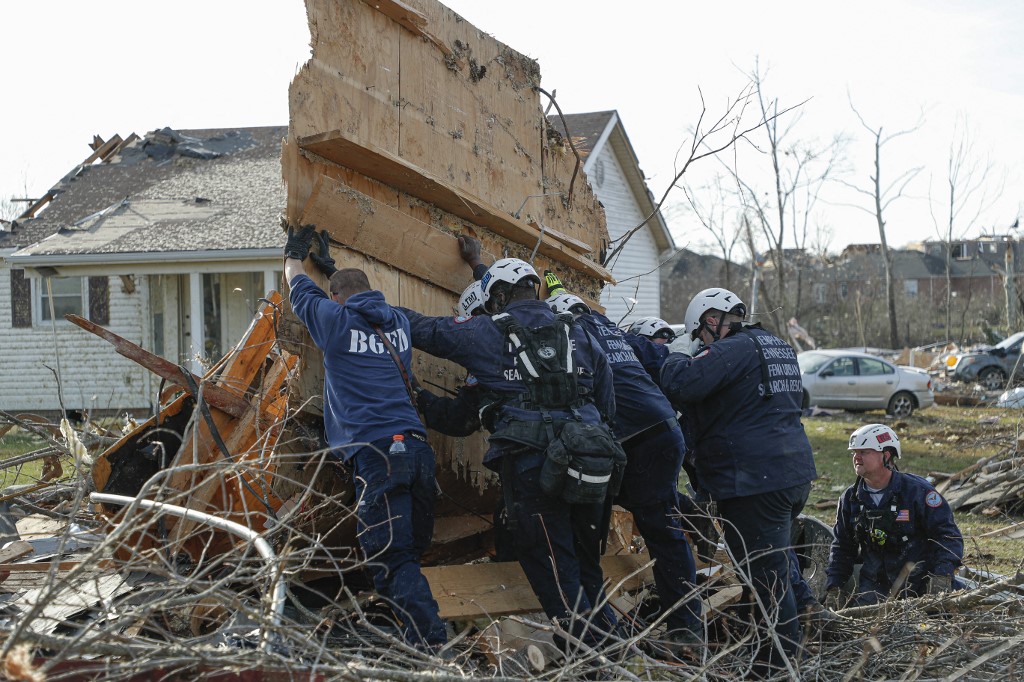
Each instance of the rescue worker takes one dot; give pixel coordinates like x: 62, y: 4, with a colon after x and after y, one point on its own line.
x: 740, y: 397
x: 456, y: 416
x: 557, y: 543
x: 367, y: 409
x: 645, y: 424
x: 897, y: 524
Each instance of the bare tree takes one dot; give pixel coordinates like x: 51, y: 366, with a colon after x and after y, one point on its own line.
x: 710, y: 206
x: 708, y: 139
x: 969, y: 192
x: 799, y: 170
x: 882, y: 195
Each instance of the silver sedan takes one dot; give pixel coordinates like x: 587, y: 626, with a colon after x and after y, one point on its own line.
x: 856, y: 381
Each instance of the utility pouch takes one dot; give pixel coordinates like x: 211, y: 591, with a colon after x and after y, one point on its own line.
x: 584, y: 464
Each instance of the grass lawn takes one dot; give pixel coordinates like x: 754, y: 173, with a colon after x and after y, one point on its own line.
x: 18, y: 442
x: 940, y: 439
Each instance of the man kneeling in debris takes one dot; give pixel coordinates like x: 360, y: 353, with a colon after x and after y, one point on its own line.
x: 372, y: 424
x: 897, y: 524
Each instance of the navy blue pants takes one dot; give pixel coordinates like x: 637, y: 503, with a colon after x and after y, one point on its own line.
x: 395, y: 496
x: 649, y: 489
x: 559, y: 547
x: 758, y: 530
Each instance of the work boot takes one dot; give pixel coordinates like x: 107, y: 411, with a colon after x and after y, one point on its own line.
x: 684, y: 643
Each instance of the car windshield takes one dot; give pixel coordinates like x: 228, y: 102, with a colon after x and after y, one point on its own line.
x: 810, y: 362
x: 1010, y: 340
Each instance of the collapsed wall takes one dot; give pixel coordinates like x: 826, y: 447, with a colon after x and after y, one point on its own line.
x: 409, y: 127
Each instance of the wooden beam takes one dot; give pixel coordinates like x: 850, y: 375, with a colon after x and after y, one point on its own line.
x: 103, y: 150
x: 216, y: 396
x: 43, y: 566
x: 501, y: 589
x: 364, y: 157
x: 364, y: 224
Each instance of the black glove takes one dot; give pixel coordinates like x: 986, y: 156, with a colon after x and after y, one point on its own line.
x: 937, y: 584
x: 298, y: 243
x: 323, y: 260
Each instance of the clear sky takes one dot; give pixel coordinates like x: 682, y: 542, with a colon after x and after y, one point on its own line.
x: 72, y: 69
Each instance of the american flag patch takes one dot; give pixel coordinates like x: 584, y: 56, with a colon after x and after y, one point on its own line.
x: 903, y: 515
x: 883, y: 437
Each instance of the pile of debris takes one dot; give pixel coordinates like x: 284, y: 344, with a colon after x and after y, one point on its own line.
x: 221, y: 544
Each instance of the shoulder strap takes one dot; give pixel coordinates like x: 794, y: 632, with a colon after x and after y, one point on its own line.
x: 410, y: 382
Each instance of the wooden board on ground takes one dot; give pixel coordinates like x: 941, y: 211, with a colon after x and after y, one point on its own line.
x: 491, y: 590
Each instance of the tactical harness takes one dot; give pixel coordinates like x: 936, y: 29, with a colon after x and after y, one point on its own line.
x: 584, y: 463
x: 877, y: 526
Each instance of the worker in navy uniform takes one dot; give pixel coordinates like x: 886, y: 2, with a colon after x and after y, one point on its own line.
x: 896, y: 524
x: 646, y: 426
x: 740, y: 397
x: 649, y: 337
x: 558, y: 544
x: 456, y: 416
x: 366, y: 404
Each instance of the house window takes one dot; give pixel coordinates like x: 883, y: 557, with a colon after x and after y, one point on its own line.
x: 910, y: 287
x: 959, y: 251
x: 819, y: 291
x: 69, y: 296
x: 844, y: 290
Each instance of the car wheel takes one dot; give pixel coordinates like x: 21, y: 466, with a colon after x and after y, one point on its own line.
x: 901, y: 405
x: 992, y: 378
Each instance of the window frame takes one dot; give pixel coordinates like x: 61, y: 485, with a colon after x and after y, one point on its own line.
x: 39, y: 306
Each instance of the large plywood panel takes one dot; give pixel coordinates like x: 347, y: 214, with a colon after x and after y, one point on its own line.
x: 352, y: 81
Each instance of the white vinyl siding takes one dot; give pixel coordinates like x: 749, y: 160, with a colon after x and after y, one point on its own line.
x: 640, y: 255
x: 92, y: 375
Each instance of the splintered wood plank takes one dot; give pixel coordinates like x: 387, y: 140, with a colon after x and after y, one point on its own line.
x: 366, y: 225
x: 249, y: 356
x: 366, y: 158
x: 215, y: 395
x: 501, y: 589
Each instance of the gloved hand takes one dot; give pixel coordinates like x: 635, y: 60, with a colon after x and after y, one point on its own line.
x: 553, y: 284
x: 937, y: 584
x: 323, y: 259
x: 298, y: 243
x: 834, y: 599
x: 469, y: 250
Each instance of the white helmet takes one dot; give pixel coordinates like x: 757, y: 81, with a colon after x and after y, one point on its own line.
x: 652, y: 328
x: 875, y: 437
x: 714, y: 298
x: 471, y: 299
x: 511, y: 270
x: 568, y: 303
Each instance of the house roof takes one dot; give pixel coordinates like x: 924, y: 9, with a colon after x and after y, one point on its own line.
x: 174, y: 192
x: 589, y: 133
x: 912, y: 264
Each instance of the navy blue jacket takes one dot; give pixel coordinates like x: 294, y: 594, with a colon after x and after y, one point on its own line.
x: 743, y: 443
x: 365, y: 398
x: 933, y: 540
x: 650, y: 354
x: 477, y: 344
x: 639, y: 403
x: 457, y: 416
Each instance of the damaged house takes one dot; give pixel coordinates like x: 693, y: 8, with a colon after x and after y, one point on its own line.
x: 169, y: 240
x: 612, y: 167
